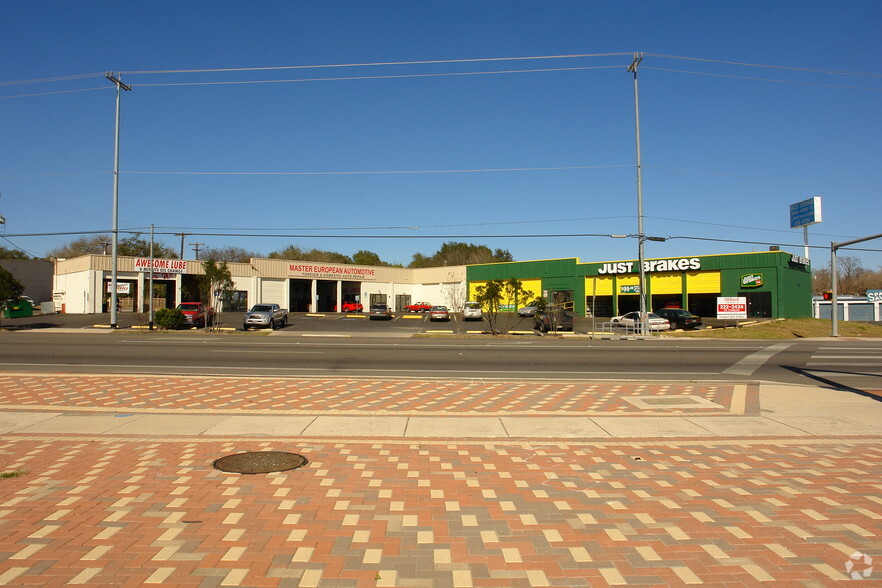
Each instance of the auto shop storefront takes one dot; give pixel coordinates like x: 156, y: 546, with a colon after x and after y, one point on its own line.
x: 775, y: 283
x: 82, y: 284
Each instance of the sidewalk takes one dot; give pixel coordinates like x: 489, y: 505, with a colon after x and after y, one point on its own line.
x: 417, y: 482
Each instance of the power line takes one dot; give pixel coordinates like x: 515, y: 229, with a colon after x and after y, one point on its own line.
x: 380, y: 172
x: 383, y: 77
x: 760, y: 65
x: 717, y: 75
x: 375, y: 64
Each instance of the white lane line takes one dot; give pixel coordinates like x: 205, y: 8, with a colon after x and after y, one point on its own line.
x: 748, y: 365
x: 287, y: 352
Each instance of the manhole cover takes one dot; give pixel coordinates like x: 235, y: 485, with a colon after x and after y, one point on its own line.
x: 260, y: 462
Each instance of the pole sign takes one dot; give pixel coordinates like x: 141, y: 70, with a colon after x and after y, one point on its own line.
x: 807, y: 212
x: 731, y: 307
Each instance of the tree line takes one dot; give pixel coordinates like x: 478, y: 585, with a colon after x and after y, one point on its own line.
x: 451, y: 253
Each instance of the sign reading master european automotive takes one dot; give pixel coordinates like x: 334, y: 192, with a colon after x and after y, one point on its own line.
x: 731, y: 307
x: 166, y: 266
x: 331, y: 272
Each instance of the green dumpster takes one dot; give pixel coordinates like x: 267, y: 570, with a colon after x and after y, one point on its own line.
x: 18, y: 309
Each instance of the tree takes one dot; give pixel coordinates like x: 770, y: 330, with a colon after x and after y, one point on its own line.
x: 362, y: 257
x: 495, y: 294
x: 217, y: 284
x: 229, y: 254
x: 10, y: 288
x: 12, y: 253
x: 458, y: 253
x: 295, y: 252
x: 134, y: 246
x: 852, y: 277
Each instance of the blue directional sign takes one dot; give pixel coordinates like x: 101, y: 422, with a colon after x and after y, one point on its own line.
x: 807, y: 212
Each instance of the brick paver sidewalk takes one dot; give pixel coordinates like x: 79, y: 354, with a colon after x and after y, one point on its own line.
x: 413, y: 396
x: 130, y: 511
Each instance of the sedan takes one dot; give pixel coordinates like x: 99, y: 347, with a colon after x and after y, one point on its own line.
x: 679, y: 318
x: 527, y: 311
x: 633, y: 319
x: 439, y: 313
x: 553, y: 319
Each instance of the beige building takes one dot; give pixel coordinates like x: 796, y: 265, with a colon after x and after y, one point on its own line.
x: 81, y: 285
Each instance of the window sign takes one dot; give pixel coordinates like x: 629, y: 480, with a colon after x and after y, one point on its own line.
x: 633, y: 289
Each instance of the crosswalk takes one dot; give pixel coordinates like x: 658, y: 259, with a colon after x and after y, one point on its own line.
x: 853, y: 366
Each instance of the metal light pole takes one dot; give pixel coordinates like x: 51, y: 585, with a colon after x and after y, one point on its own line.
x: 644, y: 326
x: 150, y: 290
x: 115, y: 245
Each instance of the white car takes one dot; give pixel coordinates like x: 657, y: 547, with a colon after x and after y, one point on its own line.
x: 471, y: 311
x: 633, y: 319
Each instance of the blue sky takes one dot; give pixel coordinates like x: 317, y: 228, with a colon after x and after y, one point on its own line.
x: 394, y: 151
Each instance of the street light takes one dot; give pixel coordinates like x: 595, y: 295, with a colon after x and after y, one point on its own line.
x: 644, y: 327
x: 113, y: 295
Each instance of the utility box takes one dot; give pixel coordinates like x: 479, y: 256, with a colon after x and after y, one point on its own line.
x: 18, y: 309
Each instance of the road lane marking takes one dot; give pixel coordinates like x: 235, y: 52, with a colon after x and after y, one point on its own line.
x: 748, y: 365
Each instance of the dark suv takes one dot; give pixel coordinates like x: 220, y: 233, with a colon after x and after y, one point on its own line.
x: 679, y: 318
x: 380, y: 311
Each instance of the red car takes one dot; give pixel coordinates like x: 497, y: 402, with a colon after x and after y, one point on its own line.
x: 418, y: 307
x: 196, y: 313
x: 351, y: 307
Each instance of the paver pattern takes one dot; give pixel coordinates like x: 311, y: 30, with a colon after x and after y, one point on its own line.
x: 144, y: 511
x: 360, y: 395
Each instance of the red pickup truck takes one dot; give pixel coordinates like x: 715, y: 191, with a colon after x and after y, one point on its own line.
x: 418, y: 307
x: 196, y: 313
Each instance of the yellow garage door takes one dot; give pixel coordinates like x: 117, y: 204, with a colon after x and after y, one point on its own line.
x: 703, y: 282
x: 666, y: 283
x: 599, y: 286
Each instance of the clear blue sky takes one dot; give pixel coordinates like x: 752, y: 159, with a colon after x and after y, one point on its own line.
x: 726, y: 148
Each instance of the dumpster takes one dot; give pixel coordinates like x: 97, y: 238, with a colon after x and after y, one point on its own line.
x: 18, y: 309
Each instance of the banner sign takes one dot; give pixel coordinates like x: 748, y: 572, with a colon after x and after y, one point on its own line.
x: 807, y: 212
x: 731, y: 307
x: 166, y: 266
x: 121, y: 287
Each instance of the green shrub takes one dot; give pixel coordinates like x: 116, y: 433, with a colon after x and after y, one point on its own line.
x: 168, y: 318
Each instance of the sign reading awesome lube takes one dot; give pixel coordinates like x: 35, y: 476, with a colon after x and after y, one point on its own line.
x: 655, y: 265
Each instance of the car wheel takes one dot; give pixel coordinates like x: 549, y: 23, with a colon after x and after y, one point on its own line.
x: 244, y: 327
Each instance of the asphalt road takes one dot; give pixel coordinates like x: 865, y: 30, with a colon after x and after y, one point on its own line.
x: 846, y: 363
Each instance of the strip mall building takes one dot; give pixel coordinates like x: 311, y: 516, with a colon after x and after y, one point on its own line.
x: 775, y: 283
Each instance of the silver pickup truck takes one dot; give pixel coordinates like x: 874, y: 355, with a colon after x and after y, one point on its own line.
x: 265, y: 315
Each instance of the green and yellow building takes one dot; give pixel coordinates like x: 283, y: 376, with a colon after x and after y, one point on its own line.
x: 776, y: 284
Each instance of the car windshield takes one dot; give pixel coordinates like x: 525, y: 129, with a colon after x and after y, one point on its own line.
x: 439, y: 309
x: 186, y: 306
x: 261, y: 308
x: 472, y: 305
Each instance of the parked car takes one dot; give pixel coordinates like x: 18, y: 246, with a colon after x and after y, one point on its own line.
x: 196, y: 314
x: 380, y: 311
x: 528, y: 311
x: 553, y: 319
x: 418, y: 307
x: 632, y: 319
x: 265, y: 315
x: 439, y: 313
x: 471, y: 311
x: 351, y: 307
x: 679, y: 318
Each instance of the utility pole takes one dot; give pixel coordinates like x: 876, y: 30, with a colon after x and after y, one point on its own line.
x: 150, y: 288
x: 114, y: 249
x: 182, y: 243
x: 641, y: 238
x: 196, y: 247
